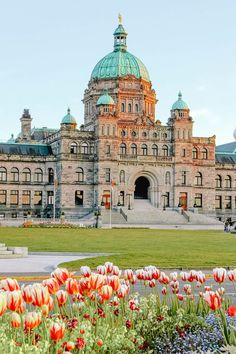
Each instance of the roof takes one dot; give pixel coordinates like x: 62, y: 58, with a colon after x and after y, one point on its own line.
x: 105, y: 99
x: 68, y: 119
x: 229, y: 148
x: 180, y: 104
x: 226, y: 159
x: 25, y: 149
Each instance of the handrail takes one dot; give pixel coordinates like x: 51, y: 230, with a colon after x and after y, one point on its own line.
x: 185, y: 215
x: 123, y: 214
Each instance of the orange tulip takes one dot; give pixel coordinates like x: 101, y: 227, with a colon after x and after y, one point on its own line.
x: 61, y: 275
x: 212, y: 299
x: 114, y: 282
x: 14, y: 300
x: 57, y: 331
x: 32, y: 320
x: 15, y: 320
x: 52, y: 285
x: 50, y: 304
x: 105, y: 292
x: 61, y: 297
x: 3, y: 303
x: 40, y: 295
x: 9, y: 284
x: 96, y: 281
x: 27, y: 293
x: 72, y: 286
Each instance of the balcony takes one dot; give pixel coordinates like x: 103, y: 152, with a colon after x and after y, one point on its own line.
x: 145, y: 158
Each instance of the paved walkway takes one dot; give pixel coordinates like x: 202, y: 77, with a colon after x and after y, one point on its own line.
x: 41, y: 262
x: 169, y: 227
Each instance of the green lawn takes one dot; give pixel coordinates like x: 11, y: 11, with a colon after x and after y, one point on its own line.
x: 132, y: 247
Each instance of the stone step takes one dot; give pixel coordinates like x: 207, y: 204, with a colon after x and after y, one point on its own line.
x: 3, y: 248
x: 10, y: 256
x: 2, y: 245
x: 3, y: 253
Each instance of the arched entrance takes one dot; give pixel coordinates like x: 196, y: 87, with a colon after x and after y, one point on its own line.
x: 141, y: 188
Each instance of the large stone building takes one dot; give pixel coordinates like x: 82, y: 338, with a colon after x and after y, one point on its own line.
x: 122, y: 148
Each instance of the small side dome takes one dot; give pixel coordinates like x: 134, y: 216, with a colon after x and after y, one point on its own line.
x: 68, y: 119
x: 11, y: 140
x: 105, y: 99
x: 180, y: 104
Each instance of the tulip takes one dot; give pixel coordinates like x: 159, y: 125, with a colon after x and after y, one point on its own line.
x: 40, y: 295
x: 219, y: 274
x: 140, y: 274
x: 192, y: 276
x: 52, y: 285
x: 96, y: 281
x: 99, y: 342
x: 69, y: 346
x: 180, y: 297
x: 114, y: 282
x: 221, y: 291
x: 72, y: 286
x: 164, y: 279
x: 128, y: 274
x: 15, y: 320
x: 32, y: 320
x: 50, y: 304
x: 57, y: 331
x: 61, y: 297
x: 152, y: 283
x: 27, y: 293
x: 207, y: 288
x: 45, y: 310
x: 109, y: 267
x: 80, y: 343
x: 14, y: 300
x: 123, y: 291
x: 3, y: 303
x: 115, y: 271
x: 101, y: 270
x: 231, y: 311
x: 105, y: 292
x: 84, y: 286
x: 232, y: 275
x: 184, y: 276
x: 200, y: 277
x: 85, y: 271
x: 61, y: 275
x: 174, y: 284
x: 187, y: 289
x: 212, y: 299
x: 9, y: 284
x: 164, y: 290
x: 174, y: 276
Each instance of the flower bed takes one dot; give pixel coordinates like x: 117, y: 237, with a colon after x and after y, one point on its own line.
x: 100, y: 313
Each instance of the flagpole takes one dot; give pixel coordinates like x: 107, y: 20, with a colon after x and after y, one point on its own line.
x: 110, y: 205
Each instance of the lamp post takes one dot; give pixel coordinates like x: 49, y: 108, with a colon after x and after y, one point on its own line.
x: 129, y: 195
x: 164, y: 201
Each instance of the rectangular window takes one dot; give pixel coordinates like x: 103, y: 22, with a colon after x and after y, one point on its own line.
x: 167, y: 199
x: 79, y: 197
x: 26, y: 198
x: 107, y: 174
x: 183, y: 180
x: 218, y: 202
x: 38, y: 196
x: 50, y: 198
x: 3, y: 197
x: 198, y: 200
x: 14, y: 197
x: 108, y: 149
x: 183, y: 152
x: 228, y: 202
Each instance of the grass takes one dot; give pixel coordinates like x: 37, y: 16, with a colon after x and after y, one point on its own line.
x: 131, y: 247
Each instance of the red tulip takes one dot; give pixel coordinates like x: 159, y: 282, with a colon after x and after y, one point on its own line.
x: 101, y: 270
x: 61, y: 275
x: 212, y: 299
x: 52, y: 285
x: 61, y: 297
x: 231, y: 311
x: 180, y: 297
x: 96, y: 281
x: 85, y: 271
x: 27, y: 293
x: 114, y: 282
x: 232, y: 275
x: 72, y: 286
x: 105, y: 292
x: 57, y: 331
x: 152, y: 283
x: 15, y: 320
x: 219, y: 274
x: 109, y: 267
x: 84, y: 286
x: 32, y: 320
x: 9, y: 284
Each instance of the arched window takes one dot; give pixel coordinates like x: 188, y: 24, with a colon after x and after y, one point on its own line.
x: 38, y: 175
x: 144, y: 149
x: 129, y: 108
x: 14, y: 174
x: 80, y: 174
x: 84, y: 148
x: 155, y: 150
x: 165, y: 150
x: 123, y: 149
x: 194, y: 153
x: 134, y: 149
x: 26, y: 175
x: 136, y: 108
x: 204, y: 154
x: 198, y: 179
x: 228, y: 183
x: 167, y: 178
x: 3, y: 174
x: 122, y: 176
x: 154, y: 135
x: 122, y: 107
x: 218, y: 181
x: 50, y: 175
x: 73, y: 148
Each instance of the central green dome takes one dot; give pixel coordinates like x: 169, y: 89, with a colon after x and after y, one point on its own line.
x: 120, y: 63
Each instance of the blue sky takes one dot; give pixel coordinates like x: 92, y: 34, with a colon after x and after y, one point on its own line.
x: 49, y: 48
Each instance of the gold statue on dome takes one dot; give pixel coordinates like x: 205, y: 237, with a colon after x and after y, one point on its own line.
x: 120, y: 19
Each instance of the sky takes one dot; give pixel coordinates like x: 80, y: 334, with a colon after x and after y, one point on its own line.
x: 48, y: 49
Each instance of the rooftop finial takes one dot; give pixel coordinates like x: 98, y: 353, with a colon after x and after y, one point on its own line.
x: 68, y: 110
x: 180, y: 95
x: 120, y: 19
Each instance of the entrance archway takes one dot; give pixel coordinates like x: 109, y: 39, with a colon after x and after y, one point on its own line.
x: 141, y: 188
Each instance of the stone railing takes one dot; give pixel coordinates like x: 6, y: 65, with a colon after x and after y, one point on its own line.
x: 151, y: 158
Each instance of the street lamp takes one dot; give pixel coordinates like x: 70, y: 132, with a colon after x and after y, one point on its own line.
x: 164, y: 201
x: 129, y: 195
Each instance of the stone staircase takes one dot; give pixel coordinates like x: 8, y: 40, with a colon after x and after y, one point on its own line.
x: 200, y: 219
x: 116, y: 217
x: 12, y: 252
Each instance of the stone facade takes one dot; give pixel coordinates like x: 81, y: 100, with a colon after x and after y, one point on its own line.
x: 121, y: 150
